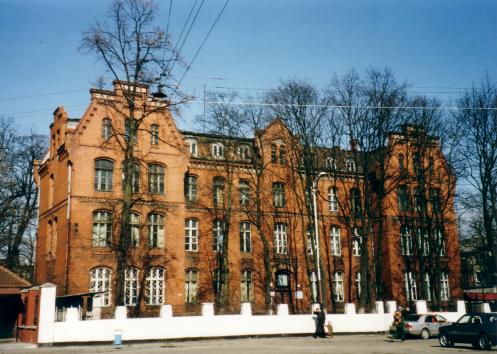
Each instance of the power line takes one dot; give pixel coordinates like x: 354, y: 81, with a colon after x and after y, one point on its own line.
x: 203, y: 42
x: 40, y: 95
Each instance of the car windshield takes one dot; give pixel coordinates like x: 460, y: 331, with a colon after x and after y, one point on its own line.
x: 412, y: 318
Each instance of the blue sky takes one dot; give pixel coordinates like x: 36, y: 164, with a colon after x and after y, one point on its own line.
x: 439, y: 47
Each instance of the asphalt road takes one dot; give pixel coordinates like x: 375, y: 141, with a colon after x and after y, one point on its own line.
x: 339, y: 344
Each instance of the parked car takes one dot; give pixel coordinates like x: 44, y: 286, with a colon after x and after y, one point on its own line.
x: 425, y: 326
x: 478, y: 329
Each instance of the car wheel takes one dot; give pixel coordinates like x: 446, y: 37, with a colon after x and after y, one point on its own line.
x: 444, y: 340
x: 483, y: 342
x: 425, y: 333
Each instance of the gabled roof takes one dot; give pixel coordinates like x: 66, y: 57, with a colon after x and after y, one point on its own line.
x: 9, y: 279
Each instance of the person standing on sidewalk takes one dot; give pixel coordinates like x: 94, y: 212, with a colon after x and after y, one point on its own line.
x: 320, y: 319
x: 398, y: 321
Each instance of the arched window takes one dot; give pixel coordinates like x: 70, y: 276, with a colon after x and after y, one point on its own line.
x: 131, y: 286
x: 191, y: 188
x: 444, y: 287
x: 191, y: 235
x: 135, y: 177
x: 419, y: 199
x: 218, y: 191
x: 154, y: 134
x: 134, y: 221
x: 154, y: 286
x: 331, y: 163
x: 218, y: 281
x: 401, y: 160
x: 350, y: 165
x: 355, y: 201
x: 333, y: 199
x: 410, y: 286
x: 102, y: 228
x: 417, y: 164
x: 245, y: 237
x: 435, y: 200
x: 104, y: 170
x: 155, y: 230
x: 338, y: 294
x: 244, y: 191
x: 218, y: 150
x: 191, y: 281
x: 336, y: 246
x: 278, y: 195
x: 403, y: 198
x: 244, y: 152
x: 156, y: 179
x: 282, y: 155
x: 100, y: 281
x: 274, y: 153
x: 280, y: 238
x: 218, y: 230
x: 406, y: 241
x: 246, y: 286
x: 106, y: 129
x: 356, y: 242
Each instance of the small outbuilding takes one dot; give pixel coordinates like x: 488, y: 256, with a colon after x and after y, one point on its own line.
x: 11, y: 304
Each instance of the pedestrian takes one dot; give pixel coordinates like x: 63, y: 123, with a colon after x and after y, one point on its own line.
x: 320, y: 320
x: 398, y: 321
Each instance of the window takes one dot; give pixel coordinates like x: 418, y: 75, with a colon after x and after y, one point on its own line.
x: 156, y: 179
x: 244, y: 192
x: 444, y: 287
x: 333, y: 199
x: 131, y: 130
x: 427, y: 287
x: 402, y: 198
x: 102, y: 229
x: 218, y: 235
x: 154, y: 134
x: 191, y: 188
x: 402, y: 167
x: 336, y: 247
x: 282, y: 279
x: 130, y: 286
x: 193, y: 147
x: 406, y: 241
x: 416, y: 164
x: 280, y: 238
x: 274, y: 153
x: 350, y: 165
x: 440, y: 241
x: 191, y: 235
x: 156, y: 231
x: 134, y: 221
x: 154, y: 286
x: 356, y: 243
x: 431, y: 166
x: 358, y: 284
x: 423, y: 242
x: 278, y: 195
x: 246, y: 286
x: 419, y: 200
x: 245, y: 237
x: 191, y: 278
x: 282, y: 155
x: 218, y: 150
x: 135, y: 177
x: 106, y: 129
x: 104, y: 170
x: 435, y: 200
x: 244, y: 152
x: 218, y: 282
x: 314, y: 286
x: 311, y: 244
x: 100, y: 280
x: 338, y: 294
x: 355, y: 201
x: 410, y: 286
x: 218, y: 190
x: 331, y: 163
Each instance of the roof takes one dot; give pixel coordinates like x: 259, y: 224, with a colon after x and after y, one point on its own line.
x: 10, y: 280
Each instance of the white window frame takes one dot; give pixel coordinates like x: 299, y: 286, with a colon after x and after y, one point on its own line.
x: 191, y: 188
x: 333, y: 199
x: 358, y: 284
x: 243, y: 152
x: 246, y: 286
x: 154, y: 134
x: 280, y: 238
x: 106, y: 128
x: 156, y: 178
x: 245, y: 237
x: 193, y: 147
x: 338, y: 290
x: 156, y: 230
x: 336, y: 242
x: 444, y: 287
x: 410, y: 286
x: 244, y: 191
x: 331, y: 163
x: 406, y: 242
x: 131, y: 286
x: 191, y: 286
x: 102, y: 228
x: 279, y: 195
x: 356, y: 243
x: 134, y: 223
x: 104, y: 175
x: 350, y: 165
x: 101, y: 280
x: 218, y: 230
x: 217, y: 150
x: 313, y: 279
x: 428, y: 287
x: 191, y: 235
x: 155, y: 286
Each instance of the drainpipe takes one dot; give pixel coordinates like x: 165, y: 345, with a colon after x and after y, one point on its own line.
x: 68, y: 222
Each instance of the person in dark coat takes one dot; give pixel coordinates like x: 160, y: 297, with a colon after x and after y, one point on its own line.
x: 320, y: 320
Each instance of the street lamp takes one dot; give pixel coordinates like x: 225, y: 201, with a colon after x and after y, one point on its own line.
x: 316, y: 229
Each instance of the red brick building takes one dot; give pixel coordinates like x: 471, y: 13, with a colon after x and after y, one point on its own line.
x: 194, y: 191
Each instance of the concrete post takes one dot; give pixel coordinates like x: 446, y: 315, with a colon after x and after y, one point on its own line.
x: 46, y: 322
x: 120, y: 313
x: 166, y: 311
x: 461, y: 306
x: 380, y: 309
x: 207, y: 309
x: 421, y: 307
x: 282, y: 310
x: 391, y: 306
x: 246, y: 309
x: 350, y: 309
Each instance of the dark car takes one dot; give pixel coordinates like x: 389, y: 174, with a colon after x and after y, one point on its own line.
x: 478, y: 329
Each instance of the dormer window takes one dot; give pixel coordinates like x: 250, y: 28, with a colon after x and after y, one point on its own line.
x: 193, y: 147
x: 244, y: 152
x: 350, y: 165
x: 331, y: 163
x: 218, y: 150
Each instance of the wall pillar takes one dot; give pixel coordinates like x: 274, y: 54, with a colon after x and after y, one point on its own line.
x: 421, y: 307
x: 461, y: 306
x: 379, y: 306
x: 350, y: 309
x: 46, y: 322
x: 207, y: 309
x: 166, y: 311
x: 282, y: 310
x: 391, y: 306
x: 246, y: 309
x: 120, y: 313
